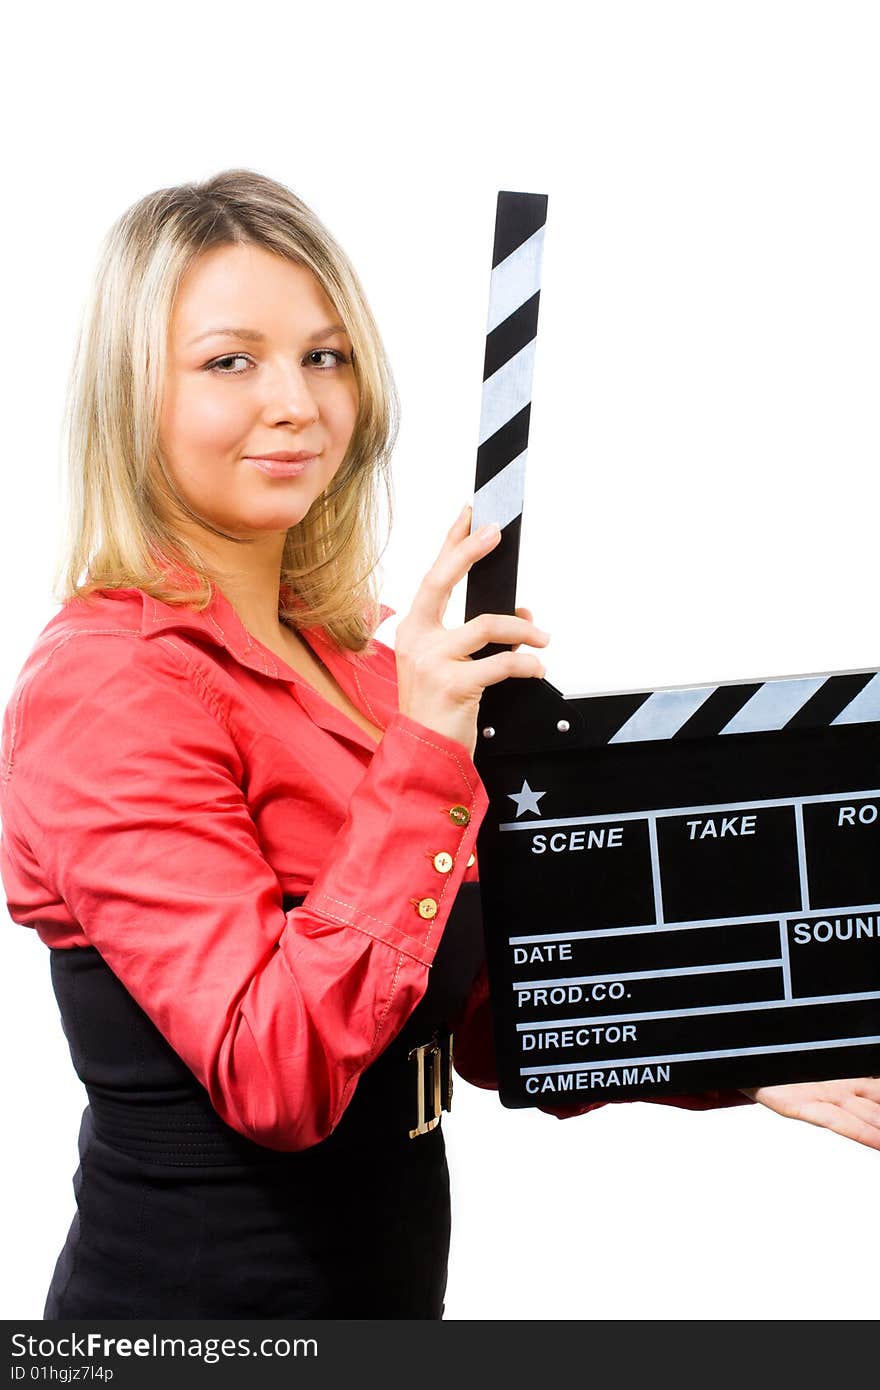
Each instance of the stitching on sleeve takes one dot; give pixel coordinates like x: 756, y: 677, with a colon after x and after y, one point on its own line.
x: 315, y: 900
x: 322, y: 896
x: 351, y: 907
x: 328, y: 897
x: 429, y: 743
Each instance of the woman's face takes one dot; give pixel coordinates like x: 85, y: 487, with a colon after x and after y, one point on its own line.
x: 230, y: 397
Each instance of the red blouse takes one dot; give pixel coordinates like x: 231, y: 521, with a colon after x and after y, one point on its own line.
x: 165, y: 779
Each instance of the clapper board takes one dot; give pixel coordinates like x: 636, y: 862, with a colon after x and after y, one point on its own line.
x: 680, y: 887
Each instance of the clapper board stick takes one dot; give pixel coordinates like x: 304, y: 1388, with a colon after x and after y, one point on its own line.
x: 511, y: 335
x: 680, y: 887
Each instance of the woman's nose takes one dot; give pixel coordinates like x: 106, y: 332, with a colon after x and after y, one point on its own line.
x: 290, y: 396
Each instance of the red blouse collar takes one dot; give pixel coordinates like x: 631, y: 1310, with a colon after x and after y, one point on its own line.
x: 220, y: 623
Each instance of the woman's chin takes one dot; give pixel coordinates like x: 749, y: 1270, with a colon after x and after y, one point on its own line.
x: 257, y: 522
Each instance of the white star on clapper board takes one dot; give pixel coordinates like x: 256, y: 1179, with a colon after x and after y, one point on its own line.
x: 526, y: 800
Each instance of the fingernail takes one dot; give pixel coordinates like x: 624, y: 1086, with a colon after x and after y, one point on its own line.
x: 463, y: 513
x: 487, y: 531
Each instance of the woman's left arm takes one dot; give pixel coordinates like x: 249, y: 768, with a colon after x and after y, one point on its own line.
x: 850, y: 1108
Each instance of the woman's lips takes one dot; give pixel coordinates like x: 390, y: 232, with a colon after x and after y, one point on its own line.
x: 276, y: 469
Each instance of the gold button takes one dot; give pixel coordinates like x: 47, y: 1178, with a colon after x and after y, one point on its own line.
x: 472, y: 861
x: 460, y: 815
x: 427, y: 907
x: 443, y: 862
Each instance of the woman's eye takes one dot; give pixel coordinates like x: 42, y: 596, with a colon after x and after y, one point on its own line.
x: 329, y: 352
x: 235, y: 357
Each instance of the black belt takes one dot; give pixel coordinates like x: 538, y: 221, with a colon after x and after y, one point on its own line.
x: 400, y: 1097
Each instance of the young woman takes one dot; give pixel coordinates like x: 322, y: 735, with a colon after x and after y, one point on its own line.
x: 245, y: 828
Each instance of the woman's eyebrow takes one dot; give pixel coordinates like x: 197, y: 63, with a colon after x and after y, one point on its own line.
x: 254, y: 335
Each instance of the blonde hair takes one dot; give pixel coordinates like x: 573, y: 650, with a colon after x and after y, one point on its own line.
x: 119, y: 534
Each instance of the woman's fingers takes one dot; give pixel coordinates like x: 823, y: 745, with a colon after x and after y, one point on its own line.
x: 841, y: 1120
x: 525, y: 613
x: 864, y: 1109
x: 502, y: 629
x: 503, y: 665
x: 439, y: 684
x: 459, y: 552
x: 850, y: 1108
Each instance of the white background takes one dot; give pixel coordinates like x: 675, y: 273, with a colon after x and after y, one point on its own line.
x: 700, y: 499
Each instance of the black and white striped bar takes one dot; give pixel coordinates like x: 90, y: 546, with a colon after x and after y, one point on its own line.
x: 780, y: 703
x: 508, y: 366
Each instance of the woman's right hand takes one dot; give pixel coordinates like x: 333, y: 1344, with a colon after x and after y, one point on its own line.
x: 438, y: 683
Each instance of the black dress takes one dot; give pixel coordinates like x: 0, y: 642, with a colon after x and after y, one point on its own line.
x: 178, y: 1215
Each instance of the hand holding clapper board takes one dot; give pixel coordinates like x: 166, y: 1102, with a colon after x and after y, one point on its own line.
x: 680, y: 887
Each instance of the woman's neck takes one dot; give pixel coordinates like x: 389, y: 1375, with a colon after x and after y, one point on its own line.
x: 249, y: 575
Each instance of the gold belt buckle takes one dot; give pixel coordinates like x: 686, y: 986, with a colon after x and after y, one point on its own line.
x: 434, y: 1093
